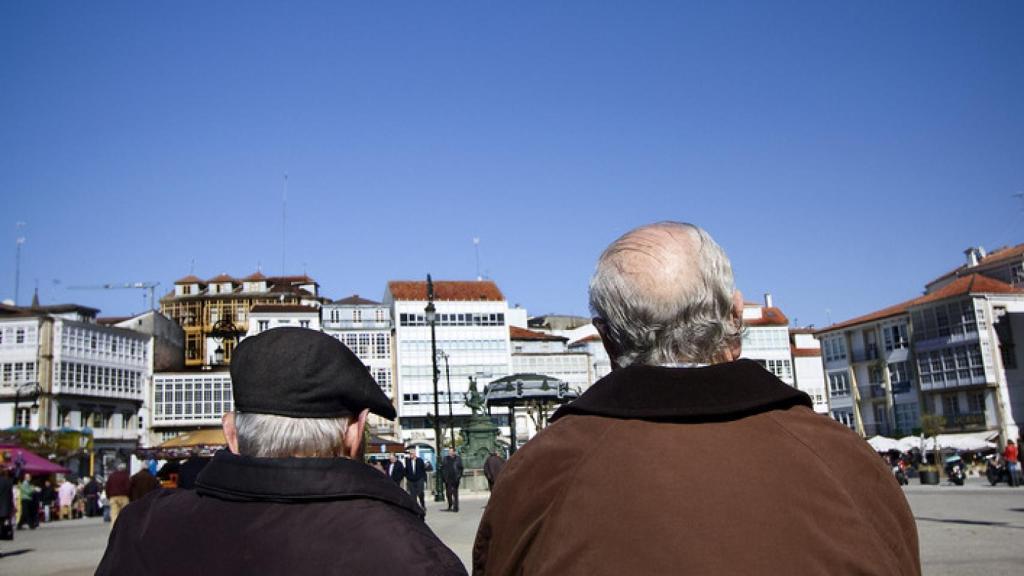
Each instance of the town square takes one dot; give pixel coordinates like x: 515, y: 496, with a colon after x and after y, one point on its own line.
x: 501, y: 288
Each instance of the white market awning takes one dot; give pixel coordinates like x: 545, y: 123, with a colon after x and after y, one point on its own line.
x: 883, y: 444
x: 965, y: 442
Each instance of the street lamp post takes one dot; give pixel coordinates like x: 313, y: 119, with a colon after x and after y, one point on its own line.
x: 448, y: 379
x: 431, y: 315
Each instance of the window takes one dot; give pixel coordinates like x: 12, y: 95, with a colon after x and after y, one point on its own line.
x: 782, y: 369
x: 899, y: 376
x: 976, y: 402
x: 838, y: 384
x: 895, y: 337
x: 381, y: 345
x: 357, y: 315
x: 263, y: 325
x: 19, y: 336
x: 378, y: 315
x: 1007, y: 347
x: 835, y: 349
x: 844, y: 417
x: 304, y: 323
x: 906, y: 417
x: 23, y: 417
x: 950, y: 405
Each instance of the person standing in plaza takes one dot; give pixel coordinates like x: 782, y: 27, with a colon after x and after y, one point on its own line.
x: 65, y: 498
x: 47, y: 496
x: 416, y: 478
x: 789, y: 491
x: 451, y: 473
x: 91, y: 492
x: 291, y: 494
x: 118, y: 487
x: 492, y: 467
x: 141, y: 483
x: 6, y: 505
x: 396, y: 471
x: 1012, y: 459
x: 28, y: 493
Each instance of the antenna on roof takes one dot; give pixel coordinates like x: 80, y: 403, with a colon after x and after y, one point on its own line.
x: 192, y: 266
x: 284, y: 222
x: 476, y: 246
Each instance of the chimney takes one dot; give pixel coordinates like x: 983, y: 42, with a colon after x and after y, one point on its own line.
x: 768, y: 300
x: 975, y: 255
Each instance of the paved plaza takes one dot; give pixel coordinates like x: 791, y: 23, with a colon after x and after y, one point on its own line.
x: 970, y: 530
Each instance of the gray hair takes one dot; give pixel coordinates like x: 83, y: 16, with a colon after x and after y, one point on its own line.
x: 272, y: 436
x: 665, y: 293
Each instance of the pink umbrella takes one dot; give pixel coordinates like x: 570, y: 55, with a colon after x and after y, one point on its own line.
x: 34, y: 463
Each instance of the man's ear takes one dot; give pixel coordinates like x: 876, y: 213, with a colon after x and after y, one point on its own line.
x: 227, y: 423
x: 737, y: 317
x: 354, y: 435
x: 606, y: 341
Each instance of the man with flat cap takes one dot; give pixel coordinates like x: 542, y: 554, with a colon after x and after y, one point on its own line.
x: 291, y: 494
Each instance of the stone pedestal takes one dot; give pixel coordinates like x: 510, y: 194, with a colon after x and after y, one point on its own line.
x: 480, y: 438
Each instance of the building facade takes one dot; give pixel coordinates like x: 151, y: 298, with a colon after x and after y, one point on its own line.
x: 365, y: 327
x: 950, y: 352
x: 471, y: 332
x: 214, y: 313
x: 59, y: 368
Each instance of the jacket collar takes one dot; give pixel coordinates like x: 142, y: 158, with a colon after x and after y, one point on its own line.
x: 290, y: 480
x: 713, y: 393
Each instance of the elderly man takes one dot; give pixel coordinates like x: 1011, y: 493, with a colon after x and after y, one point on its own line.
x: 291, y: 495
x: 687, y: 459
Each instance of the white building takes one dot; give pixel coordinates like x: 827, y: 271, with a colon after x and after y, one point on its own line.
x: 766, y: 338
x: 188, y: 400
x: 808, y: 374
x: 263, y: 317
x: 364, y: 326
x: 59, y: 368
x: 950, y: 352
x: 471, y: 329
x: 539, y: 353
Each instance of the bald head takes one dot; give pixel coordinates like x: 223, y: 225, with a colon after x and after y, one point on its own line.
x: 663, y: 294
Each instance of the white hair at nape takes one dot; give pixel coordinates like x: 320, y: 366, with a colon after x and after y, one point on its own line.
x: 665, y: 294
x: 273, y: 436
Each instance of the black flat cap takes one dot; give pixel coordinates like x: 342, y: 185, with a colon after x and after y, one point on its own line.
x: 303, y: 373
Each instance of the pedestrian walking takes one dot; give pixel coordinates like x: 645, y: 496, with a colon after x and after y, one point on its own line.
x: 47, y: 496
x: 451, y: 474
x: 117, y: 489
x: 65, y: 498
x: 141, y: 483
x: 492, y: 467
x: 396, y: 470
x: 1012, y: 459
x: 416, y: 478
x: 29, y: 495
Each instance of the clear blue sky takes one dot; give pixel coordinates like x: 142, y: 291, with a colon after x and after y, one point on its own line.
x: 843, y: 153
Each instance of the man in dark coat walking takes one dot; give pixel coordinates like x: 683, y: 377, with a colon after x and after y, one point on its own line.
x: 451, y: 473
x: 291, y: 495
x: 396, y: 471
x: 416, y: 478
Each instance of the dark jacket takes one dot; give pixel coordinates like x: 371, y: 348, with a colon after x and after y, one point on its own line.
x: 118, y: 484
x: 397, y: 471
x: 142, y: 483
x: 278, y: 516
x: 420, y: 472
x: 492, y: 467
x: 716, y: 470
x: 6, y: 497
x: 451, y: 470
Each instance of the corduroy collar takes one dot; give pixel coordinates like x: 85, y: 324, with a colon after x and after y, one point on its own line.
x: 715, y: 393
x: 294, y: 480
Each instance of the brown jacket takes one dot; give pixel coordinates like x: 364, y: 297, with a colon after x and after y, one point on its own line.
x: 716, y: 470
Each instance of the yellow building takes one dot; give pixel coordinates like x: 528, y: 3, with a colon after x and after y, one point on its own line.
x: 214, y: 313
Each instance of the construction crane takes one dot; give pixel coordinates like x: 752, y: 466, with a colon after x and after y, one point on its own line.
x: 150, y: 286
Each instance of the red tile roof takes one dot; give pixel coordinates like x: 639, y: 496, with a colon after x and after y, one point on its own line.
x: 190, y: 279
x: 221, y: 279
x: 993, y: 257
x: 446, y: 290
x: 517, y: 333
x: 356, y: 300
x: 973, y: 284
x: 254, y: 277
x: 770, y: 316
